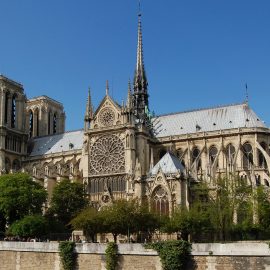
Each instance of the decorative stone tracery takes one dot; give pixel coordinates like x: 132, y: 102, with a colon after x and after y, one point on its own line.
x: 106, y: 117
x: 107, y: 155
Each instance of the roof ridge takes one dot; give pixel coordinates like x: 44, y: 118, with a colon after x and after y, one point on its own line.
x: 202, y: 109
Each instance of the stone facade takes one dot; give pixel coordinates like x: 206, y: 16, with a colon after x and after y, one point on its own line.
x: 126, y: 152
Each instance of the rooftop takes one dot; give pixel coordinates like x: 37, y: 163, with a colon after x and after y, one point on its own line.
x: 72, y: 140
x: 205, y: 120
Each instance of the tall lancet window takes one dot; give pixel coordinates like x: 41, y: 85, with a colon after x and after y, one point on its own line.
x: 49, y: 123
x: 37, y: 122
x: 160, y: 201
x: 247, y: 156
x: 54, y: 123
x: 230, y: 155
x: 213, y: 155
x: 31, y: 124
x: 6, y: 107
x: 13, y: 111
x: 261, y: 158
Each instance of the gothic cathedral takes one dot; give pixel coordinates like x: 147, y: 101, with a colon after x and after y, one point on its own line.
x: 126, y: 152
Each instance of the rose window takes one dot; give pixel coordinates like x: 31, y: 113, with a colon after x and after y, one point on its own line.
x: 107, y: 155
x: 106, y: 117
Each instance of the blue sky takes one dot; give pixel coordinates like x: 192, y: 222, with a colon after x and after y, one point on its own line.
x: 197, y: 53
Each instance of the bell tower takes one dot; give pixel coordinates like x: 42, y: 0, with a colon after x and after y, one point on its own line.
x: 13, y: 136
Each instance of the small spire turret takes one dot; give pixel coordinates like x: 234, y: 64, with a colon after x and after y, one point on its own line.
x: 89, y: 111
x: 129, y: 96
x: 107, y: 88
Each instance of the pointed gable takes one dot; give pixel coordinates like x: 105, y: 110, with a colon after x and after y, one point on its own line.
x: 168, y: 164
x: 107, y: 114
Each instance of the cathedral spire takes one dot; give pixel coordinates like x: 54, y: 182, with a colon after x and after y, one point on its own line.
x: 140, y: 84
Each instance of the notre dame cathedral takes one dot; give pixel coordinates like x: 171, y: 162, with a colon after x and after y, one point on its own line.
x: 124, y: 151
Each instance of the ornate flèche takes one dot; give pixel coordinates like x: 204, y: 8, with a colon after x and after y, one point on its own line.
x: 107, y: 155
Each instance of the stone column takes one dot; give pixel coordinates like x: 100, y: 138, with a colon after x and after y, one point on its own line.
x: 9, y: 109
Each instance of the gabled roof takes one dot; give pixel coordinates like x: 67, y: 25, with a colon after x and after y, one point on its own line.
x: 57, y: 143
x: 205, y: 120
x: 168, y: 164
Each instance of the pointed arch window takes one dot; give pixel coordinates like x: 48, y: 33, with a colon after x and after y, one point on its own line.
x: 261, y: 158
x: 49, y: 123
x: 54, y: 123
x: 230, y: 155
x: 194, y: 157
x: 213, y: 152
x: 31, y: 124
x: 6, y: 107
x: 160, y: 201
x: 37, y: 122
x: 13, y: 111
x: 247, y: 156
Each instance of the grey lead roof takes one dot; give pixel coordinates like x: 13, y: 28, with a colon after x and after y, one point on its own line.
x: 168, y: 164
x: 67, y: 141
x: 205, y: 120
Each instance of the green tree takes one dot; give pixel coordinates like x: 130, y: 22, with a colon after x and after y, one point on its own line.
x: 119, y: 218
x: 220, y: 204
x: 262, y: 197
x: 29, y: 226
x: 20, y: 196
x: 90, y: 221
x: 68, y: 199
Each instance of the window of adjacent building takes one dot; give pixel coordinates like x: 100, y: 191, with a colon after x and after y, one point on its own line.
x: 261, y: 158
x: 54, y: 123
x: 230, y: 154
x: 13, y: 111
x: 37, y: 122
x: 31, y: 126
x: 247, y: 155
x: 195, y: 157
x: 6, y: 107
x: 49, y: 123
x: 213, y: 155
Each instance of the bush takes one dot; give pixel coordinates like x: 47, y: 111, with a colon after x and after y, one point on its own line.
x: 67, y: 255
x: 111, y: 256
x: 173, y: 254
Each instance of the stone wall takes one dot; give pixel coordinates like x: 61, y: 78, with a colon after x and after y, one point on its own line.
x: 44, y: 256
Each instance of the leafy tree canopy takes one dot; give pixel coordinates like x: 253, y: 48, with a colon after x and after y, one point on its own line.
x: 29, y: 226
x: 68, y: 199
x: 20, y: 196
